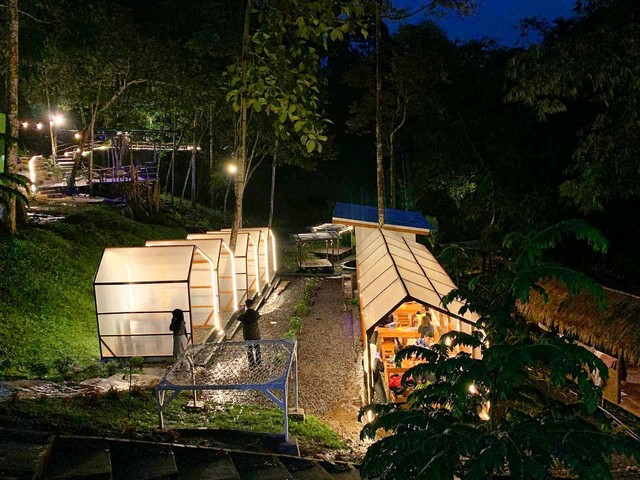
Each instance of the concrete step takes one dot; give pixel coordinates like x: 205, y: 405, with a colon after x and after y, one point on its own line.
x: 23, y: 455
x: 194, y: 463
x: 259, y: 467
x: 139, y: 461
x: 303, y: 469
x: 342, y: 471
x: 74, y: 458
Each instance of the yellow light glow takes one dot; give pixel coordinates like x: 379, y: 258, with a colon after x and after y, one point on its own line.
x: 25, y: 124
x: 39, y: 126
x: 57, y: 120
x: 77, y: 136
x: 233, y: 277
x: 32, y: 174
x: 256, y: 260
x: 472, y: 389
x: 232, y: 168
x: 273, y: 249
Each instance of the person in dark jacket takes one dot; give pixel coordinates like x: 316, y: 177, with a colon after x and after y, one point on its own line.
x: 179, y: 329
x: 251, y: 331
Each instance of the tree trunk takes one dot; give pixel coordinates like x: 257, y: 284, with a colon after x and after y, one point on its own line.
x: 52, y: 132
x: 242, y: 157
x: 392, y: 157
x: 211, y: 183
x: 274, y: 166
x: 379, y: 154
x: 91, y: 135
x: 194, y: 153
x: 14, y: 124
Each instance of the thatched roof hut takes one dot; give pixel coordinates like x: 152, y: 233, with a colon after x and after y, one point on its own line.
x: 613, y: 330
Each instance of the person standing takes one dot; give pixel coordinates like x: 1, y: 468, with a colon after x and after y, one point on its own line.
x: 251, y: 331
x: 179, y: 329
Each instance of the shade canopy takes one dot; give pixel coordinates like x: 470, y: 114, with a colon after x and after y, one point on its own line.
x: 393, y: 270
x: 246, y: 261
x: 136, y: 290
x: 265, y: 239
x: 316, y: 236
x: 223, y: 264
x: 395, y: 220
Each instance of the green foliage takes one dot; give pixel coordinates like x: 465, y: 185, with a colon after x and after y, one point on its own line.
x: 283, y: 62
x: 302, y: 309
x: 10, y: 188
x: 48, y: 323
x: 295, y: 325
x: 108, y: 415
x: 586, y: 67
x: 476, y: 416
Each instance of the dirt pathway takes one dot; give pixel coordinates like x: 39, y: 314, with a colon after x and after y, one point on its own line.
x: 329, y: 353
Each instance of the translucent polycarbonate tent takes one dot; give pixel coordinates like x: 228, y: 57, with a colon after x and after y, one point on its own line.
x: 396, y: 276
x: 224, y: 266
x: 246, y: 262
x: 266, y: 241
x: 137, y: 288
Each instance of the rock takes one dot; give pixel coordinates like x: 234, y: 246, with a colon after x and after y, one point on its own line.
x: 120, y: 382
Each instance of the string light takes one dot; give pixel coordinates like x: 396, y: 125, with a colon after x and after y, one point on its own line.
x: 25, y: 124
x: 77, y: 136
x: 39, y: 125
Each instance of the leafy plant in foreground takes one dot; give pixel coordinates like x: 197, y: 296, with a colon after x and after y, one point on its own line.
x: 503, y: 412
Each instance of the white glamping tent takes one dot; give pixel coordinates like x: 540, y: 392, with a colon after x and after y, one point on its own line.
x: 136, y: 289
x: 224, y: 267
x: 264, y: 238
x: 247, y: 269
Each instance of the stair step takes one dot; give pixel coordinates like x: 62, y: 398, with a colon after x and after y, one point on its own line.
x: 138, y: 461
x: 342, y: 471
x: 259, y: 467
x: 302, y: 469
x: 75, y: 459
x: 195, y: 463
x: 23, y: 455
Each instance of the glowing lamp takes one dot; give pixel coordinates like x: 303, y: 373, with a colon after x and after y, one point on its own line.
x: 39, y: 125
x: 232, y: 168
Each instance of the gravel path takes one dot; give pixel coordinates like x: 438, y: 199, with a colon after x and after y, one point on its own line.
x: 329, y: 353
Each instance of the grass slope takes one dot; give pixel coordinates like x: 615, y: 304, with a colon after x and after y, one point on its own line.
x: 47, y: 313
x: 114, y: 414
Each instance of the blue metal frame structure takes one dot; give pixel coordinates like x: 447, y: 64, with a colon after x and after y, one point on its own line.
x: 225, y: 366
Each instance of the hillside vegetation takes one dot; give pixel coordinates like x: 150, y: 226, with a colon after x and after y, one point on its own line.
x: 47, y: 313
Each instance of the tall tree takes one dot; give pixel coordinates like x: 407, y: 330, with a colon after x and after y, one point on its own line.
x: 277, y: 72
x: 14, y: 122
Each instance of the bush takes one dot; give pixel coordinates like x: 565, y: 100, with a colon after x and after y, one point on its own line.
x: 302, y: 309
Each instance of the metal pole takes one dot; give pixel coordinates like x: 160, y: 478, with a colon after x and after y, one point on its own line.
x: 160, y: 407
x: 295, y: 378
x: 286, y: 412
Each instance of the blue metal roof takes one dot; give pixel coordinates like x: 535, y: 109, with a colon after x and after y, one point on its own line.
x: 392, y: 216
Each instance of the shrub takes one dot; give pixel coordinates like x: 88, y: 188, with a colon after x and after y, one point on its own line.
x: 302, y: 309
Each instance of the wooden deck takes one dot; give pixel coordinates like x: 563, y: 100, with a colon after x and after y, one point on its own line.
x: 321, y: 264
x: 340, y: 252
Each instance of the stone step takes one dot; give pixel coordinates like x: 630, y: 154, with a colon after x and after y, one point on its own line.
x: 259, y: 467
x: 342, y: 471
x: 198, y: 463
x: 303, y: 469
x: 23, y: 455
x: 74, y: 458
x: 139, y: 461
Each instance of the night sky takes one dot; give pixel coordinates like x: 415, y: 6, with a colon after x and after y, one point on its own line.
x: 497, y: 19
